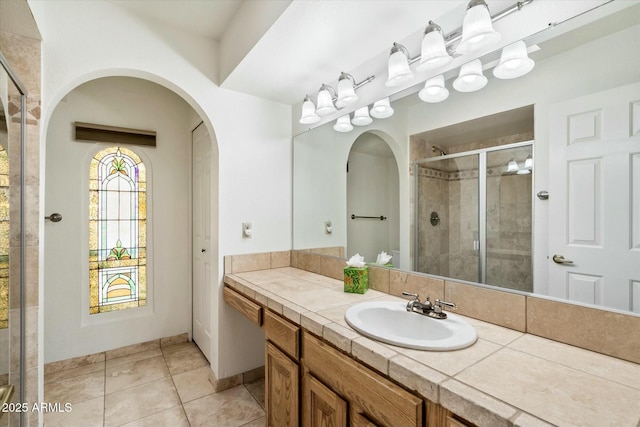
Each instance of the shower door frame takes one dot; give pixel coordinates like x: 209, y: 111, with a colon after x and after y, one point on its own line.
x: 482, y: 201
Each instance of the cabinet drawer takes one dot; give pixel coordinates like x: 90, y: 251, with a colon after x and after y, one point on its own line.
x: 282, y: 333
x: 378, y: 397
x: 244, y: 305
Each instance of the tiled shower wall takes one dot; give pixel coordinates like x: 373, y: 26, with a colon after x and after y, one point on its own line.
x: 23, y: 54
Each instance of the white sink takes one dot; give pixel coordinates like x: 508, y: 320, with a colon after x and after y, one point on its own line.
x: 390, y: 322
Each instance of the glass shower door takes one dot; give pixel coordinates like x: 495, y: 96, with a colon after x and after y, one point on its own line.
x: 447, y: 237
x: 509, y: 218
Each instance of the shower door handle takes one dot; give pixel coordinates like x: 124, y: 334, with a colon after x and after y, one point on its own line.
x: 559, y: 259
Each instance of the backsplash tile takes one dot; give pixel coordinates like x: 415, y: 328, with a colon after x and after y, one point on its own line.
x: 401, y: 281
x: 607, y: 332
x: 500, y: 308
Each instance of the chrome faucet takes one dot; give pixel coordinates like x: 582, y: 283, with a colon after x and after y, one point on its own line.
x: 426, y: 308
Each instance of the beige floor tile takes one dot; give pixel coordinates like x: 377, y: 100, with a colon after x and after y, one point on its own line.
x: 84, y: 414
x: 133, y: 357
x: 174, y: 417
x: 256, y: 388
x: 74, y: 372
x: 193, y: 384
x: 135, y: 373
x: 138, y: 402
x: 76, y: 389
x: 184, y: 357
x: 231, y: 408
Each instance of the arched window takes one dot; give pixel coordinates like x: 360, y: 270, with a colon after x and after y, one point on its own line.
x: 117, y: 231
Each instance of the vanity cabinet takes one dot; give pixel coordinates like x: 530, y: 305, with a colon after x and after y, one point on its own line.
x: 308, y: 382
x: 372, y: 399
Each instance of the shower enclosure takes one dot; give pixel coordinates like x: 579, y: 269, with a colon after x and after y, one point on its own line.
x: 473, y: 216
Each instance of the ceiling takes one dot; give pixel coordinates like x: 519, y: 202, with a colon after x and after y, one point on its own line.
x: 307, y: 44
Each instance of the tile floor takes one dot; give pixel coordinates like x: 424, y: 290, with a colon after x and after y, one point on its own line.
x: 167, y: 386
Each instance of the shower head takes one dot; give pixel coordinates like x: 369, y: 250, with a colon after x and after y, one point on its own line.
x: 436, y: 149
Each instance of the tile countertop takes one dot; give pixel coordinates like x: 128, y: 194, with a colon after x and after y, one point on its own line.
x: 506, y: 378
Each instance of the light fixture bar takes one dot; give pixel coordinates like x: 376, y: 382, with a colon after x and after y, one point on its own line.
x: 357, y: 86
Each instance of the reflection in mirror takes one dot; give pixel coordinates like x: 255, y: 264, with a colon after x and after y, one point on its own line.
x: 481, y: 200
x: 586, y: 73
x: 372, y: 198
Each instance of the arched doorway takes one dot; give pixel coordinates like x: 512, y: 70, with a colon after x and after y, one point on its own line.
x: 134, y: 103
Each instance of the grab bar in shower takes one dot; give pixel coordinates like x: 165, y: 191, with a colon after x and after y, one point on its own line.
x: 381, y: 217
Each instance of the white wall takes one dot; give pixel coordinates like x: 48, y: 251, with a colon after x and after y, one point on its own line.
x: 86, y: 40
x: 132, y: 103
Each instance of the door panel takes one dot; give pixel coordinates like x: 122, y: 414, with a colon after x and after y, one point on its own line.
x: 202, y: 250
x: 594, y: 203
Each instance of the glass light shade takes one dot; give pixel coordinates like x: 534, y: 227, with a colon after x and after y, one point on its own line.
x: 325, y: 102
x: 528, y: 163
x: 523, y: 172
x: 346, y: 93
x: 308, y: 115
x: 343, y: 124
x: 399, y: 70
x: 512, y: 166
x: 470, y: 78
x: 434, y: 52
x: 514, y: 61
x: 477, y: 29
x: 382, y: 109
x: 361, y: 117
x: 434, y: 90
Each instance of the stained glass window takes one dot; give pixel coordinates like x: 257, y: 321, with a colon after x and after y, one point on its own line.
x: 117, y: 231
x: 4, y: 238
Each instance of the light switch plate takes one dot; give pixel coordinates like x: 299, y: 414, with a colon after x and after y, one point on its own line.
x: 247, y: 230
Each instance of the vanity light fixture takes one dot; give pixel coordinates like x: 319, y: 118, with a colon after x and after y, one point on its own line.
x: 434, y: 90
x: 361, y: 117
x: 470, y: 78
x: 382, y: 109
x: 325, y: 101
x: 343, y: 124
x: 308, y: 116
x: 512, y: 166
x: 346, y: 92
x: 528, y: 162
x: 523, y: 172
x: 477, y: 28
x: 434, y: 52
x: 514, y: 61
x: 399, y: 70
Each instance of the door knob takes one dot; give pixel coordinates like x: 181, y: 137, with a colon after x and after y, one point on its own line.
x: 54, y: 217
x: 559, y: 259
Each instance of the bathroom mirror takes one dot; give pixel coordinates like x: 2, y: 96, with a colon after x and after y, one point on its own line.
x: 581, y: 64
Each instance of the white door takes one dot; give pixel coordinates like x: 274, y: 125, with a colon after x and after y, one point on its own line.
x: 202, y: 248
x: 594, y: 198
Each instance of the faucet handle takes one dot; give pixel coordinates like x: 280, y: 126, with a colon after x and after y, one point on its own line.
x: 449, y: 305
x: 416, y: 297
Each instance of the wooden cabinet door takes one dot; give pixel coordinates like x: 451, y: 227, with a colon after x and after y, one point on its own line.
x: 321, y: 407
x: 357, y: 418
x: 282, y: 376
